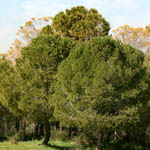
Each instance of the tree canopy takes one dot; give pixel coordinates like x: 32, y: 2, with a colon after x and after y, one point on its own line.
x: 37, y: 68
x: 101, y: 85
x: 80, y: 23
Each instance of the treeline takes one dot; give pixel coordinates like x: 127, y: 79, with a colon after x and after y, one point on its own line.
x: 74, y: 76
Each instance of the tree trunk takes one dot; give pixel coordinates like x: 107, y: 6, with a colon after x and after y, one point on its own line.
x: 127, y: 137
x: 60, y: 128
x: 108, y: 136
x: 5, y: 127
x: 99, y: 142
x: 57, y: 126
x: 70, y: 133
x: 115, y: 135
x: 36, y: 129
x: 46, y: 133
x: 41, y: 132
x: 24, y: 131
x: 75, y: 131
x: 17, y: 125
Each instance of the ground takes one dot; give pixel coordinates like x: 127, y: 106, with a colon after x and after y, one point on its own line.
x: 36, y: 145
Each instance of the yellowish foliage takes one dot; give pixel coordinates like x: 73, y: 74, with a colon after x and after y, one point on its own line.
x: 136, y: 37
x: 25, y: 34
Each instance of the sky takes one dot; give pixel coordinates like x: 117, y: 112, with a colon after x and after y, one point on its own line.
x: 14, y: 13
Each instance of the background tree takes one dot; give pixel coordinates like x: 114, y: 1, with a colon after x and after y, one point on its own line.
x: 101, y: 86
x: 25, y: 34
x: 136, y: 37
x: 80, y: 23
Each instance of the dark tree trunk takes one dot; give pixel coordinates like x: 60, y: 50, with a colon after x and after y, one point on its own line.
x: 24, y: 131
x: 5, y: 128
x: 17, y: 125
x: 108, y: 136
x: 57, y: 125
x: 47, y: 133
x: 75, y: 131
x: 41, y: 132
x: 36, y: 129
x: 127, y: 137
x: 70, y: 133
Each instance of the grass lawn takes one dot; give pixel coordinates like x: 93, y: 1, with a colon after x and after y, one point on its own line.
x: 35, y: 145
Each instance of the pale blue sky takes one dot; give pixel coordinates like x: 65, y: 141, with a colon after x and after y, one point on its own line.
x: 14, y: 13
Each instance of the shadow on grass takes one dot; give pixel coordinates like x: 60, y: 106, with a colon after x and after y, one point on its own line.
x: 87, y: 146
x: 73, y: 147
x: 81, y: 147
x: 60, y: 147
x: 3, y: 139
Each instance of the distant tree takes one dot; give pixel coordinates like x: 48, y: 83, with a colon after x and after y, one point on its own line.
x: 136, y: 37
x: 101, y: 87
x: 147, y: 60
x: 25, y: 34
x: 80, y: 24
x: 38, y: 67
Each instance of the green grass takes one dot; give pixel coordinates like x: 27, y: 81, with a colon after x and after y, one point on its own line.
x: 58, y: 145
x: 36, y: 145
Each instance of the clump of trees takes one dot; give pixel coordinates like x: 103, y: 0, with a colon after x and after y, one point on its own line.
x: 72, y: 73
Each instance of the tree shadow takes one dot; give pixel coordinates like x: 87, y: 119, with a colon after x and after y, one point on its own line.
x: 87, y: 146
x: 81, y: 147
x: 74, y: 147
x: 60, y: 147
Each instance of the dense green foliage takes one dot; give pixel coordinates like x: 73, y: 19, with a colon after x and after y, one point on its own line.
x: 37, y: 68
x: 102, y: 86
x: 75, y: 81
